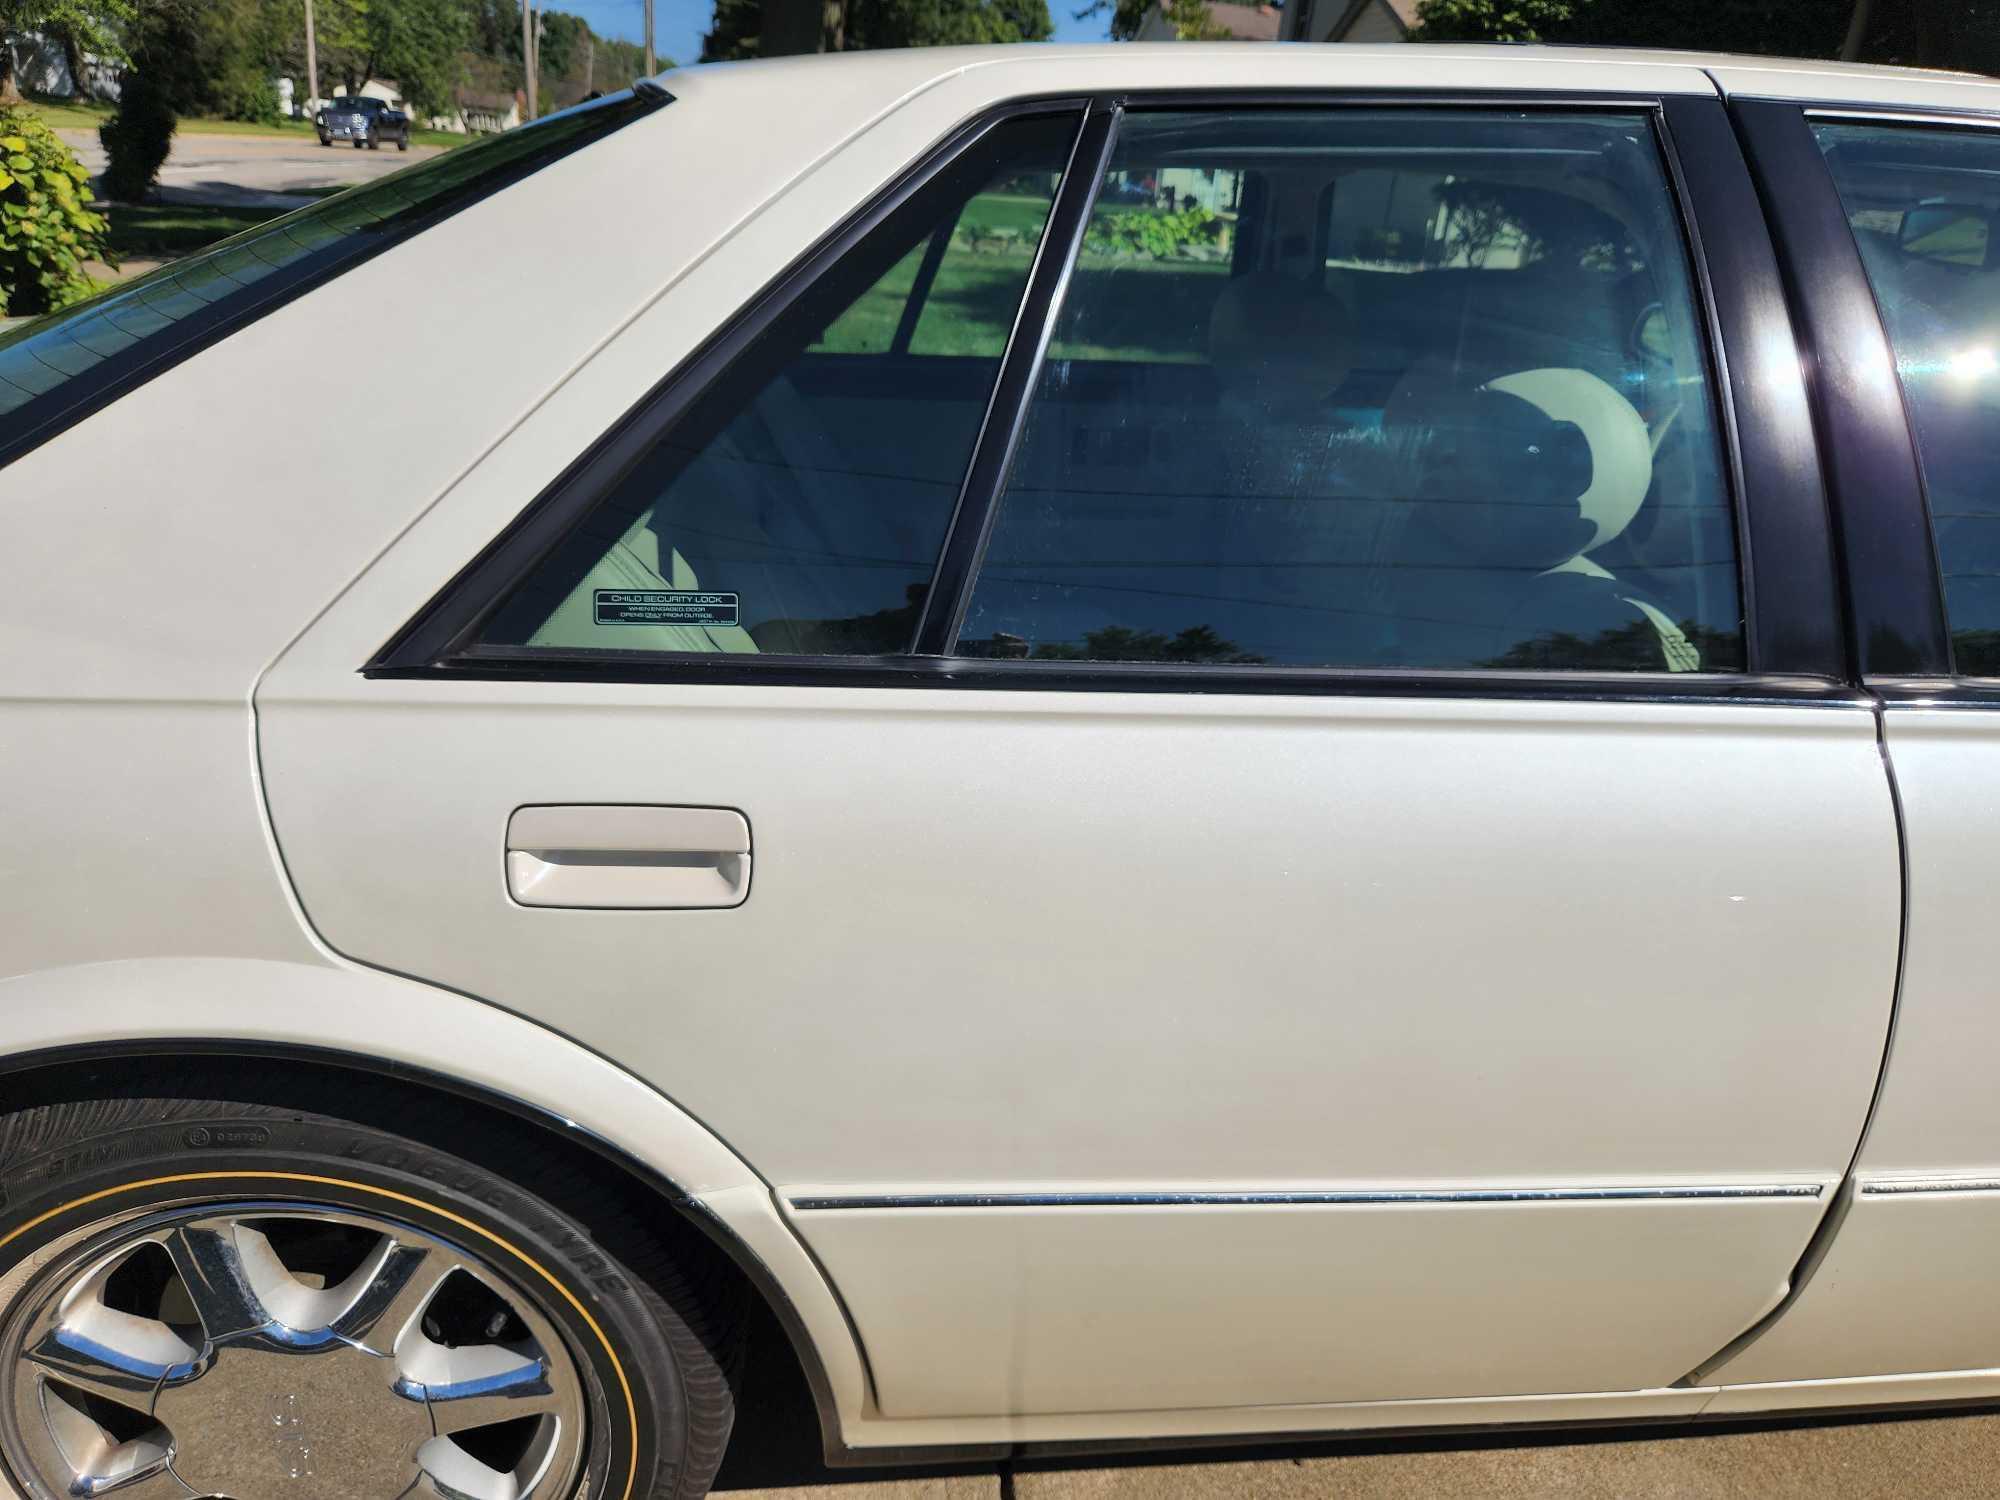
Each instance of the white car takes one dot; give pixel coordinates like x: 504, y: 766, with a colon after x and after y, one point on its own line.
x: 1173, y: 742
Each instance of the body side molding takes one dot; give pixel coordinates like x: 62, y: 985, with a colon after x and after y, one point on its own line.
x: 822, y: 1202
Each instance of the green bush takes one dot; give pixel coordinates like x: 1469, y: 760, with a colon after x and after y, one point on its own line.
x: 137, y: 137
x: 1160, y: 235
x: 253, y: 100
x: 47, y: 226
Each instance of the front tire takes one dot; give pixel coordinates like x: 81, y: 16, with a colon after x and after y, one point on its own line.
x: 403, y: 141
x: 270, y: 1260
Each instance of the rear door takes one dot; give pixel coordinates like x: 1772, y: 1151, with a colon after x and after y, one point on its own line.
x: 1196, y: 739
x: 1889, y: 217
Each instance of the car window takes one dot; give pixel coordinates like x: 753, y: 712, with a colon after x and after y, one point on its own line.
x: 799, y: 505
x: 1374, y: 388
x: 57, y: 369
x: 1922, y: 203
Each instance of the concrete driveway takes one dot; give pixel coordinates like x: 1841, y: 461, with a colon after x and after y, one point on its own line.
x: 261, y: 171
x: 775, y: 1456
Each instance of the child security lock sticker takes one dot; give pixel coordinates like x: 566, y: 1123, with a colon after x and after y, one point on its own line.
x: 663, y: 607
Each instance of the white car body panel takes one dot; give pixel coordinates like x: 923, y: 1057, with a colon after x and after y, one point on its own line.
x: 1629, y: 843
x: 1908, y: 1283
x: 1190, y: 1307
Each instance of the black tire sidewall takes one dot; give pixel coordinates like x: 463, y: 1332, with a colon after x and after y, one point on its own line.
x: 230, y: 1152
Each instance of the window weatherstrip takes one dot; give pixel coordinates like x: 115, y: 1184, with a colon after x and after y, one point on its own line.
x: 1281, y: 1198
x: 950, y: 591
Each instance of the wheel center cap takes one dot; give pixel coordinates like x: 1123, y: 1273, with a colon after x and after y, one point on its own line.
x: 277, y: 1417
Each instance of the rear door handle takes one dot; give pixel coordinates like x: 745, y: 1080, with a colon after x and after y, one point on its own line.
x: 629, y: 857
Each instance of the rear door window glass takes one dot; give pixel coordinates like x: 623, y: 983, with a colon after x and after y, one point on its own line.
x: 1397, y: 389
x: 799, y: 505
x: 1923, y: 203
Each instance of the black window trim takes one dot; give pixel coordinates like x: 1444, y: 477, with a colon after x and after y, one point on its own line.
x: 119, y: 374
x: 1893, y: 522
x: 1874, y: 472
x: 1784, y: 564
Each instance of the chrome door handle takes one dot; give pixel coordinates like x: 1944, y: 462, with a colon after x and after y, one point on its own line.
x: 628, y: 857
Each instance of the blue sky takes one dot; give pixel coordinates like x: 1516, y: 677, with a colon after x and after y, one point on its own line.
x: 680, y: 23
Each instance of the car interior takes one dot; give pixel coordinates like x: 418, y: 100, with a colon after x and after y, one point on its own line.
x: 1409, y: 393
x: 1923, y: 209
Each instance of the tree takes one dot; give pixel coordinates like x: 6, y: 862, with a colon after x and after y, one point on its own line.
x: 1193, y: 21
x: 1127, y: 16
x: 1921, y: 33
x: 415, y: 43
x: 773, y: 28
x: 1492, y: 20
x: 79, y: 26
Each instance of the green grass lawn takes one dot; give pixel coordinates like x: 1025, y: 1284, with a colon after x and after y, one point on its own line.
x: 1137, y: 308
x: 1157, y: 311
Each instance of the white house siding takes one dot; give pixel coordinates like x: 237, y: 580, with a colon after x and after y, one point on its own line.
x: 1377, y: 23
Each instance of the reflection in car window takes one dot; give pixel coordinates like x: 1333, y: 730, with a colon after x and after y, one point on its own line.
x: 1378, y: 389
x: 1922, y: 202
x: 799, y: 505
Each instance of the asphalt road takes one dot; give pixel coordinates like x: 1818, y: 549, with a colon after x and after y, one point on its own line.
x: 774, y: 1455
x: 1936, y: 1459
x: 266, y: 171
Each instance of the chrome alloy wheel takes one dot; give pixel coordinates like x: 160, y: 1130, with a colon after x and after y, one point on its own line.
x: 259, y: 1350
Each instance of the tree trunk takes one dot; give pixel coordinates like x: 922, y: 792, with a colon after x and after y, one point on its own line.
x: 79, y: 71
x: 790, y: 27
x: 1857, y: 30
x: 10, y: 91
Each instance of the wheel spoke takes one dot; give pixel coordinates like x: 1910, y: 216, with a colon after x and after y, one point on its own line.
x: 112, y: 1354
x: 489, y: 1384
x: 392, y: 1291
x: 224, y: 1266
x: 201, y: 1350
x: 99, y: 1463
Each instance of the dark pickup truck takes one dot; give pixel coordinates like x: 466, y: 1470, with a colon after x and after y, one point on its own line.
x: 364, y: 121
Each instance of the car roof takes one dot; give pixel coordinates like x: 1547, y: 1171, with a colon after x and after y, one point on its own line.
x: 895, y: 74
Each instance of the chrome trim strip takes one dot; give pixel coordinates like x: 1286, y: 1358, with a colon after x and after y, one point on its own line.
x: 1341, y: 1198
x: 1890, y: 1186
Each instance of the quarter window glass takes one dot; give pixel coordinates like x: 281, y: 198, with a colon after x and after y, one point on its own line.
x: 1378, y: 389
x: 799, y: 505
x: 1922, y: 203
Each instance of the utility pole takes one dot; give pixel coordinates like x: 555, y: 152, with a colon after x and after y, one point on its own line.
x: 589, y: 66
x: 312, y: 64
x: 652, y: 62
x: 528, y: 66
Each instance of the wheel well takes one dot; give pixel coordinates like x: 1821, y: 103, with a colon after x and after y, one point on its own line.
x: 482, y: 1127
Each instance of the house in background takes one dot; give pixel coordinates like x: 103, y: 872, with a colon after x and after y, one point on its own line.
x: 484, y: 112
x: 475, y: 111
x: 1244, y: 23
x: 42, y: 66
x: 1349, y: 20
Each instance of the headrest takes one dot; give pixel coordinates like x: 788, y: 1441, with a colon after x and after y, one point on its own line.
x: 1621, y: 452
x: 1278, y: 338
